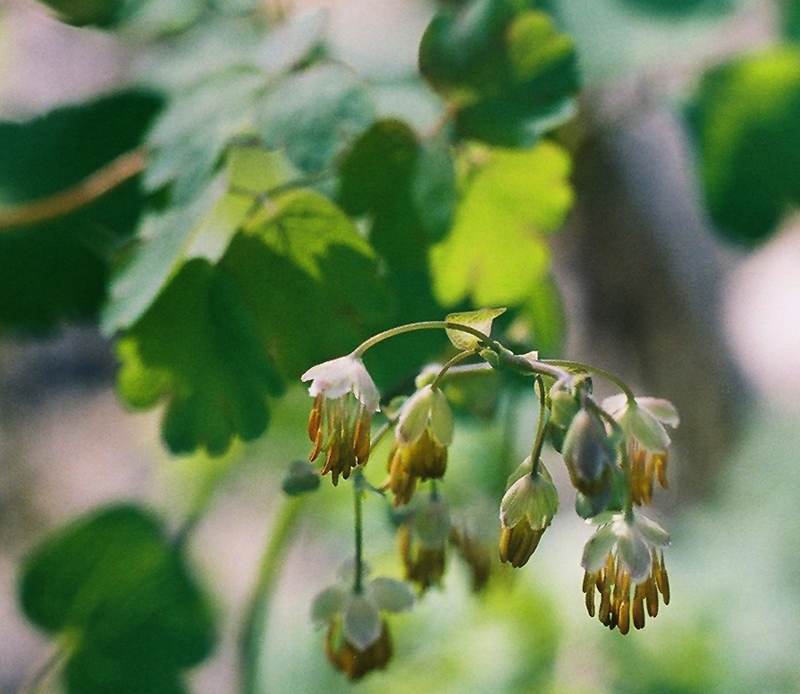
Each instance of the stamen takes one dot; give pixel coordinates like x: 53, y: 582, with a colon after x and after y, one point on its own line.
x: 590, y: 600
x: 638, y: 607
x: 652, y: 597
x: 624, y: 617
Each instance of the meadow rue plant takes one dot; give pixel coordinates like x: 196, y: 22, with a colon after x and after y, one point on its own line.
x: 613, y: 452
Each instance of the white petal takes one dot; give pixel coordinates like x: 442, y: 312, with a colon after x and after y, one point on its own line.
x: 391, y: 595
x: 597, y: 548
x: 523, y: 469
x: 615, y: 404
x: 646, y: 429
x: 414, y: 416
x: 652, y: 531
x: 663, y: 410
x: 364, y: 387
x: 361, y: 622
x: 441, y: 419
x: 634, y: 554
x: 327, y: 604
x: 332, y: 378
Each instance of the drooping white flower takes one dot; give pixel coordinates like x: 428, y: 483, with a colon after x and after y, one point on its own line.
x: 625, y: 554
x: 345, y: 397
x: 643, y: 419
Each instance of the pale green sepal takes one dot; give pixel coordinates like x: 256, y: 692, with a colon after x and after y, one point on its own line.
x: 361, y: 622
x: 597, y: 548
x: 415, y: 416
x: 524, y: 468
x: 663, y: 410
x: 646, y: 429
x: 442, y: 424
x: 390, y: 594
x: 328, y: 604
x: 514, y: 506
x: 634, y: 554
x: 481, y: 320
x: 652, y: 532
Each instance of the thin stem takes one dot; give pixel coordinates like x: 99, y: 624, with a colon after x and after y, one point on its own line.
x: 255, y: 624
x: 423, y: 325
x: 358, y: 582
x: 94, y: 186
x: 461, y: 356
x: 538, y: 442
x: 578, y: 366
x: 53, y: 662
x: 533, y: 366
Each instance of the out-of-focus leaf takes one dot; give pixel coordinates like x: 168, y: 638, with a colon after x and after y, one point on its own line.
x: 87, y: 12
x: 791, y: 20
x: 463, y: 50
x: 744, y: 119
x: 189, y: 137
x: 679, y: 9
x: 297, y: 286
x: 543, y: 314
x: 121, y: 590
x: 404, y: 187
x: 509, y: 70
x: 314, y: 113
x: 544, y: 78
x: 59, y: 269
x: 496, y: 252
x: 198, y: 347
x: 200, y: 230
x: 291, y: 41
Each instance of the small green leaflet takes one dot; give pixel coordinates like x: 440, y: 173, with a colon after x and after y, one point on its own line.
x: 481, y: 320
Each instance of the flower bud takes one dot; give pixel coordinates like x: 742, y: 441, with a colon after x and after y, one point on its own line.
x: 588, y: 453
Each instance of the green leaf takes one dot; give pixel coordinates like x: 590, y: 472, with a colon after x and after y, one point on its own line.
x: 200, y: 230
x: 496, y: 252
x: 189, y: 138
x: 509, y: 70
x: 481, y: 320
x: 463, y: 51
x: 680, y: 9
x: 405, y: 188
x: 100, y: 13
x: 59, y: 269
x: 745, y: 122
x: 295, y: 287
x: 121, y: 589
x: 314, y: 113
x: 543, y: 313
x: 301, y: 477
x: 199, y: 348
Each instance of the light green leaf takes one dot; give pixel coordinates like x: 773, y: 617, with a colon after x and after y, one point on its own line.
x: 496, y: 251
x: 480, y: 320
x: 200, y: 230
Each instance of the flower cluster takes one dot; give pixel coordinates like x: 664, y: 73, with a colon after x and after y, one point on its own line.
x: 615, y: 452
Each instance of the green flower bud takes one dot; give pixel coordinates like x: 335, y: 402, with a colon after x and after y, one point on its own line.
x: 588, y: 453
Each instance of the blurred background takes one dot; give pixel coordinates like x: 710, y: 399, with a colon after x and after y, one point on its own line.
x: 651, y: 292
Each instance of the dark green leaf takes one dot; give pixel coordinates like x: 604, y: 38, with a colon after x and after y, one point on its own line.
x: 463, y: 53
x: 59, y: 269
x: 745, y: 122
x: 301, y: 477
x: 87, y: 12
x: 121, y: 589
x: 791, y: 20
x: 405, y: 188
x: 293, y: 289
x: 313, y: 114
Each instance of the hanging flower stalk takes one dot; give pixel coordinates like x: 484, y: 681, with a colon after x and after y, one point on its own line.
x: 614, y: 454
